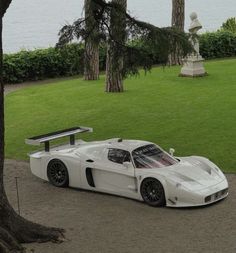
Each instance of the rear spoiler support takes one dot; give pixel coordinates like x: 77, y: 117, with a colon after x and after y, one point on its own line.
x: 47, y: 146
x: 46, y: 138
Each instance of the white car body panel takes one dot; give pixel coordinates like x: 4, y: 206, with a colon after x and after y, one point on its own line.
x: 186, y: 183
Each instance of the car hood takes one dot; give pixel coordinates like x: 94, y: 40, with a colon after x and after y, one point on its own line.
x: 191, y: 172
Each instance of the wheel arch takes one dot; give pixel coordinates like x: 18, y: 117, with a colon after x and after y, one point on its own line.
x: 64, y: 168
x: 152, y: 191
x: 160, y: 178
x: 73, y: 168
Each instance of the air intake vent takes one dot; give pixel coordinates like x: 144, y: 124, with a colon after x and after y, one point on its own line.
x: 216, y: 195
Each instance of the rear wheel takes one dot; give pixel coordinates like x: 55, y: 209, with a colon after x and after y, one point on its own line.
x: 58, y: 173
x: 153, y: 192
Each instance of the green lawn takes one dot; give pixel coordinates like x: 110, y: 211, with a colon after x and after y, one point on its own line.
x: 195, y: 116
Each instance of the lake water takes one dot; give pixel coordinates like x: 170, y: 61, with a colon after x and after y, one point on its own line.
x: 33, y: 24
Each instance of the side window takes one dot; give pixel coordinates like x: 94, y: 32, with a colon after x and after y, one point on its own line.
x: 118, y: 155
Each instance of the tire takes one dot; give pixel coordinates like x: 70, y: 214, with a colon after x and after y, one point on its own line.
x: 57, y: 173
x: 153, y: 192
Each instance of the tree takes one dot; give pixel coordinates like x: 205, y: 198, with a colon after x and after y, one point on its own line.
x: 91, y: 37
x: 91, y: 56
x: 178, y: 17
x: 229, y: 25
x: 14, y: 229
x: 115, y: 56
x: 140, y: 44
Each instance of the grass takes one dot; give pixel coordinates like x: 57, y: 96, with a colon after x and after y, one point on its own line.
x: 195, y: 116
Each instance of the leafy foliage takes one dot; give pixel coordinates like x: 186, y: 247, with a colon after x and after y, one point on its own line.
x: 43, y: 63
x: 49, y: 63
x: 159, y: 42
x: 229, y: 25
x: 67, y: 61
x: 218, y: 44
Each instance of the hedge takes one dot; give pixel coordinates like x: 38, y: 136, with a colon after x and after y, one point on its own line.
x: 218, y: 44
x: 48, y: 63
x: 42, y: 63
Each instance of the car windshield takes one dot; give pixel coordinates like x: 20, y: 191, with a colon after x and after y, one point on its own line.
x: 150, y: 156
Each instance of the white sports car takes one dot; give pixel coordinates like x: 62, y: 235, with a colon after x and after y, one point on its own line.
x: 131, y: 168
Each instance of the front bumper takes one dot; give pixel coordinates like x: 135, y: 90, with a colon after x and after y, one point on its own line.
x: 206, y: 196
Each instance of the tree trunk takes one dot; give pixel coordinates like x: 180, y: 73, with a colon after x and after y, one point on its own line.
x: 115, y: 55
x: 14, y: 229
x: 91, y: 55
x: 178, y: 9
x: 178, y: 17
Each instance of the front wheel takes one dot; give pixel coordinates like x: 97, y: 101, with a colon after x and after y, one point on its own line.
x: 57, y: 173
x: 153, y: 192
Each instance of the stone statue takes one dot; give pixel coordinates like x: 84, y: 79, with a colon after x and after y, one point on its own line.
x: 195, y: 26
x: 193, y: 64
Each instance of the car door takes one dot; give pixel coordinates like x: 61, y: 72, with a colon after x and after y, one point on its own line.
x: 112, y: 175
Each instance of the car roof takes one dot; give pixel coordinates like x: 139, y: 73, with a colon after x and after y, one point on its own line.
x: 118, y: 143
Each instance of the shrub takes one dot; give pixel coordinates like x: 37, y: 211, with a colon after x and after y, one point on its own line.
x: 218, y: 44
x: 43, y: 63
x: 52, y: 62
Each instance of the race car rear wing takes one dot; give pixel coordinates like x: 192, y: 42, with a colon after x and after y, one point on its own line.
x: 46, y: 138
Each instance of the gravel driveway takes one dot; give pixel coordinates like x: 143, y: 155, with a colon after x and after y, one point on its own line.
x: 8, y: 88
x: 99, y: 223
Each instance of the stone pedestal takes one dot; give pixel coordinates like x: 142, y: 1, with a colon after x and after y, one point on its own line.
x: 193, y: 67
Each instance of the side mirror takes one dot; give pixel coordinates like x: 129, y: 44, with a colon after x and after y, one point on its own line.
x: 127, y: 165
x: 172, y: 151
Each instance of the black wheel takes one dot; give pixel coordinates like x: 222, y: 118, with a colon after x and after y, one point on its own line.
x: 57, y: 173
x: 153, y: 192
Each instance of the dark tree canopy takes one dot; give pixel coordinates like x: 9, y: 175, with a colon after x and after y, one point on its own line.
x: 151, y: 42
